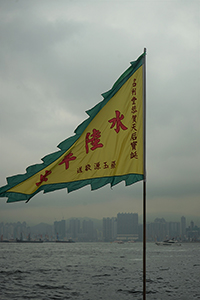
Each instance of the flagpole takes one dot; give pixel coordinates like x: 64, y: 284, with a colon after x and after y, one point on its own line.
x: 144, y: 181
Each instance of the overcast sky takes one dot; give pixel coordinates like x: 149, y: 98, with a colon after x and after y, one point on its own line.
x: 58, y: 57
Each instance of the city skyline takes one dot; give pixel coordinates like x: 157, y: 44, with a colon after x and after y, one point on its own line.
x: 178, y: 219
x: 124, y: 227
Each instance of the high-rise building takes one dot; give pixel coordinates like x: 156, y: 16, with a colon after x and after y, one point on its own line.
x: 88, y: 229
x: 74, y: 228
x: 59, y: 229
x: 157, y: 230
x: 173, y: 229
x: 191, y: 224
x: 127, y: 226
x: 109, y: 229
x: 183, y: 226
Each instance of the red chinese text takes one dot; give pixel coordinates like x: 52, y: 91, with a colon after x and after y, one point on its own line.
x: 94, y: 140
x: 67, y: 159
x: 134, y: 111
x: 97, y: 166
x: 79, y: 170
x: 117, y: 121
x: 43, y: 177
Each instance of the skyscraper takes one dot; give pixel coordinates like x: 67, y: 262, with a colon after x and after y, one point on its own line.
x: 173, y: 229
x: 127, y: 226
x: 183, y: 226
x: 74, y: 228
x: 88, y: 229
x: 59, y: 229
x: 109, y: 229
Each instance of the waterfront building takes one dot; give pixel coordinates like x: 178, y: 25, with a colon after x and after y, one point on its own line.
x: 74, y: 229
x: 59, y: 229
x: 157, y: 231
x: 109, y: 229
x: 183, y: 227
x: 173, y: 229
x: 127, y: 226
x: 88, y: 230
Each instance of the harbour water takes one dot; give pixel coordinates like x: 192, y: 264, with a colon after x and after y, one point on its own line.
x: 92, y: 271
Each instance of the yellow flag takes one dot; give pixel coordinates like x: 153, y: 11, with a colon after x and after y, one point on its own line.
x: 106, y: 148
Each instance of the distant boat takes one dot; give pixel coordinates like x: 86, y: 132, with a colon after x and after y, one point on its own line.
x: 170, y: 242
x: 118, y: 242
x: 68, y: 241
x: 28, y: 241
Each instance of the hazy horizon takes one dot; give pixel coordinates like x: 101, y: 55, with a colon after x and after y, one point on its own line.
x: 150, y: 219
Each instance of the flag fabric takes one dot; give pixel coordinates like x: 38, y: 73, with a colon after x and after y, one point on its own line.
x: 107, y: 148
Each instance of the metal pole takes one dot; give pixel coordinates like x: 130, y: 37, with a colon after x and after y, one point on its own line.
x: 144, y: 240
x: 144, y: 181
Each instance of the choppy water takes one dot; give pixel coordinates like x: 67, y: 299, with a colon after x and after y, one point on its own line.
x: 90, y: 271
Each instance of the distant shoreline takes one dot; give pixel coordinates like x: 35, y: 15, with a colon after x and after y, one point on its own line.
x: 71, y: 242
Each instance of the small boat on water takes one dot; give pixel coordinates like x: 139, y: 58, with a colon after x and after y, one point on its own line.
x: 170, y: 242
x: 65, y: 241
x: 29, y: 241
x: 118, y: 242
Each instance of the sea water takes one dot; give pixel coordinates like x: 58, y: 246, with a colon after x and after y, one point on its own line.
x: 90, y: 271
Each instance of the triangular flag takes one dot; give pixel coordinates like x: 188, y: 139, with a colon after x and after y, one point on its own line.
x: 106, y: 148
